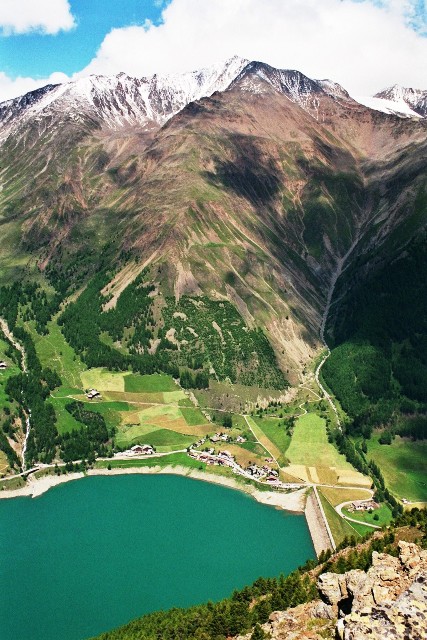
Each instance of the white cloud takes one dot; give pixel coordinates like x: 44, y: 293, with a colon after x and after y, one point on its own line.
x: 10, y: 88
x: 45, y: 16
x: 363, y: 45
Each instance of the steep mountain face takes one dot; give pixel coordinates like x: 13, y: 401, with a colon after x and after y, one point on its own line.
x: 256, y: 76
x: 387, y: 601
x: 265, y: 194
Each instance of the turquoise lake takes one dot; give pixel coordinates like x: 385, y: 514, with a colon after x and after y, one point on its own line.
x: 92, y: 554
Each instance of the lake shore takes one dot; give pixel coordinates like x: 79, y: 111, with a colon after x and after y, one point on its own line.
x: 293, y: 501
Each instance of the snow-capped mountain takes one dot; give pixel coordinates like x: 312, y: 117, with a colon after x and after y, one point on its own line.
x: 334, y: 89
x: 121, y: 100
x: 401, y: 101
x: 257, y: 76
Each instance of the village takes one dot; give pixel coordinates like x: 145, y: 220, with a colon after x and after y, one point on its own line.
x: 264, y: 473
x: 209, y: 457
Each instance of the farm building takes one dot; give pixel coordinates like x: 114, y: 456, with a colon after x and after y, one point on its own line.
x: 93, y: 393
x: 144, y: 449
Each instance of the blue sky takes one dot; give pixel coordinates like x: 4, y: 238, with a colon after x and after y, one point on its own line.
x: 38, y: 55
x: 366, y: 45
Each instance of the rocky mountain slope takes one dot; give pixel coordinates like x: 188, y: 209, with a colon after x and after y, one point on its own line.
x: 261, y: 194
x: 388, y: 601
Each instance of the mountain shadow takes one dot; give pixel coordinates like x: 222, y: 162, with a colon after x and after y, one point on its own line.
x: 248, y: 173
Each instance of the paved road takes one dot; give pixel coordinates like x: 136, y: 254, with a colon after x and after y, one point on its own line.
x: 325, y: 520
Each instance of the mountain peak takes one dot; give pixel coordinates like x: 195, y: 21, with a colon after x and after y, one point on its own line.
x: 334, y: 89
x: 398, y: 100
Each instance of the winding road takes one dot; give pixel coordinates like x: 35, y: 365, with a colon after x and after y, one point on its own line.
x: 340, y: 507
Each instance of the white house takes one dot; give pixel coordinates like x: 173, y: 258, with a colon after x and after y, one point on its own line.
x: 93, y: 393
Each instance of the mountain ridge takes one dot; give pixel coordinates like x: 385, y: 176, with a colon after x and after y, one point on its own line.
x: 123, y: 100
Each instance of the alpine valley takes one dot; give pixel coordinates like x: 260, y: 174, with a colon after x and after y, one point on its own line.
x: 220, y: 271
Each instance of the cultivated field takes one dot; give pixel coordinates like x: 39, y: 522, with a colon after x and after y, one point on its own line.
x: 142, y: 409
x: 273, y: 429
x: 338, y: 495
x: 313, y: 459
x: 266, y: 442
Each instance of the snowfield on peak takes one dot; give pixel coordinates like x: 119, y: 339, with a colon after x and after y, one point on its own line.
x: 398, y: 100
x: 395, y: 107
x: 120, y: 100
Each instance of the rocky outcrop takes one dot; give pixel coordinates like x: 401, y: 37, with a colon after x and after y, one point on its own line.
x: 388, y: 602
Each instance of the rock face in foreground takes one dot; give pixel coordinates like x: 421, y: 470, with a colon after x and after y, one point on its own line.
x: 389, y: 601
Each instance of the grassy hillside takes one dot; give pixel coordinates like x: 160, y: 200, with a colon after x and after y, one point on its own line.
x: 403, y: 464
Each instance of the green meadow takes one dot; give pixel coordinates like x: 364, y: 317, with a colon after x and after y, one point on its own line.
x: 156, y: 382
x: 383, y: 513
x: 403, y: 465
x: 310, y: 446
x: 340, y: 528
x: 274, y: 430
x: 55, y: 352
x: 314, y: 459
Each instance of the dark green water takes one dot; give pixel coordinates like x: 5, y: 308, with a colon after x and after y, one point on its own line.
x: 92, y: 554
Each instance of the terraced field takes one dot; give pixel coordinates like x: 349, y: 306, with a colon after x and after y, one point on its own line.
x: 141, y: 408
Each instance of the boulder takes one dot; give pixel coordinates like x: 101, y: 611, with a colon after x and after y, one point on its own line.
x: 323, y: 611
x: 329, y: 588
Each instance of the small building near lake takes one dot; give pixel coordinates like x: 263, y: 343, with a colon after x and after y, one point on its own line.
x: 360, y: 505
x: 144, y: 449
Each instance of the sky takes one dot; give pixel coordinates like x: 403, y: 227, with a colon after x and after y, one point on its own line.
x: 365, y: 45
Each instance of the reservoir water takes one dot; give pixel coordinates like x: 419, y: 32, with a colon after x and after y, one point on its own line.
x: 92, y: 554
